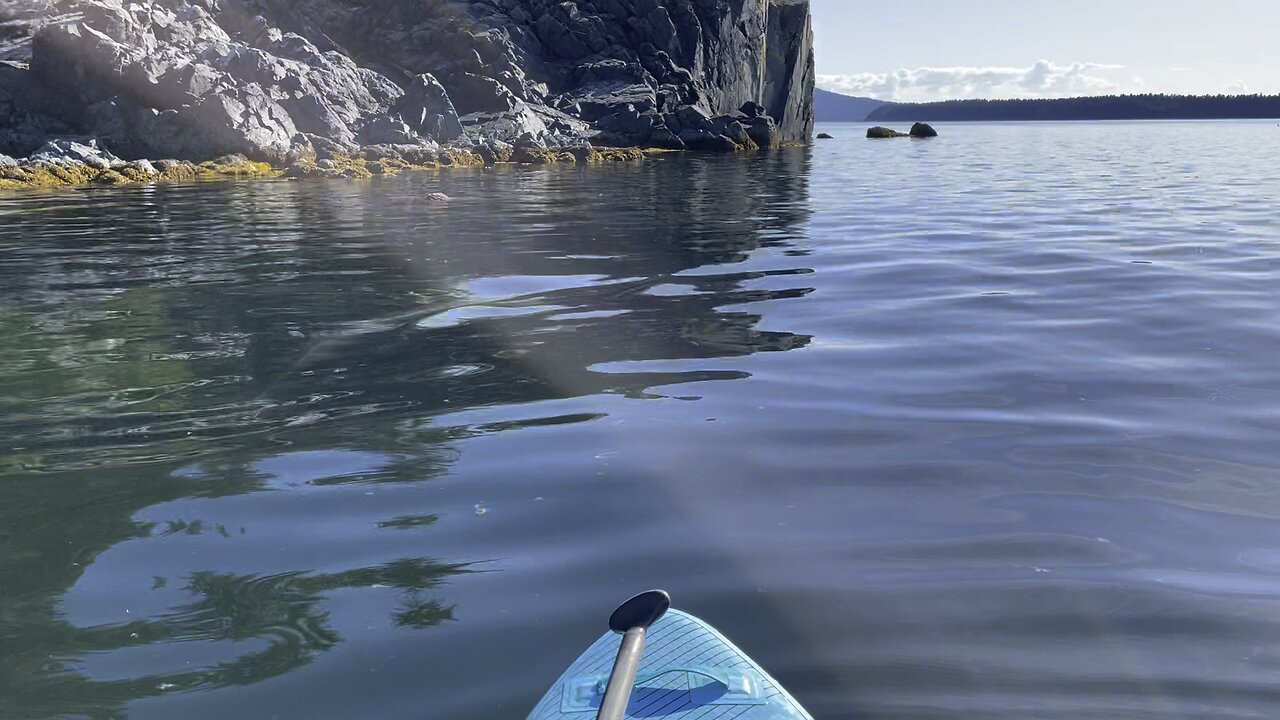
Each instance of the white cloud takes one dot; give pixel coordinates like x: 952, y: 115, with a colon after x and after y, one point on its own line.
x: 1238, y: 87
x: 1043, y: 79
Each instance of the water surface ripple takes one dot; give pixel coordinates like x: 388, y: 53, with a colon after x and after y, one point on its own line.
x: 978, y: 427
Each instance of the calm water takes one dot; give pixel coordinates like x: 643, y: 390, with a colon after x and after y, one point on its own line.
x: 980, y: 427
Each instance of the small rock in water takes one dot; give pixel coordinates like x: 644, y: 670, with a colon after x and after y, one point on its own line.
x: 824, y: 136
x: 923, y: 130
x: 878, y: 132
x: 437, y: 197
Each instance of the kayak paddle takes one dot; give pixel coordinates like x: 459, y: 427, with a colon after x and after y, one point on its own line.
x: 631, y: 620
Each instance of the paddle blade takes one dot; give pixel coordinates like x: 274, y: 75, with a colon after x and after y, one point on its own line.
x: 640, y: 611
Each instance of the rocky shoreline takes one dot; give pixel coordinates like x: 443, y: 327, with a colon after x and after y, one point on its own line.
x: 67, y: 162
x: 92, y: 91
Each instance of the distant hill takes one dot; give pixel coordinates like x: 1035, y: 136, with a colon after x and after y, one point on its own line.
x: 834, y: 107
x: 1107, y: 107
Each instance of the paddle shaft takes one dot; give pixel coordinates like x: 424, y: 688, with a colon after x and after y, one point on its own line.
x: 623, y: 679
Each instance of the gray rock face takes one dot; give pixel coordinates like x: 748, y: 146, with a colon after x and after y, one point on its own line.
x: 427, y: 109
x: 272, y: 78
x: 788, y: 78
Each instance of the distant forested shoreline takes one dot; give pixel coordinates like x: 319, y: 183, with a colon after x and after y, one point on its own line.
x: 1103, y: 107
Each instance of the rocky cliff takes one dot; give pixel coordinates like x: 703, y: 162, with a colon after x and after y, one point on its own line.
x: 278, y: 80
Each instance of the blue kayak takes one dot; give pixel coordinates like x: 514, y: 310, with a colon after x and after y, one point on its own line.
x: 688, y: 671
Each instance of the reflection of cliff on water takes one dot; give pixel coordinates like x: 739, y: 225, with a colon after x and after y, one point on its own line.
x: 616, y: 283
x: 305, y: 303
x: 166, y: 344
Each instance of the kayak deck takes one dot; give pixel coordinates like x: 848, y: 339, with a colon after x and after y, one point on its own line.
x: 689, y: 671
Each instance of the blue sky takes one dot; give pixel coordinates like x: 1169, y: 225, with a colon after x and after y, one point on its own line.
x: 940, y: 49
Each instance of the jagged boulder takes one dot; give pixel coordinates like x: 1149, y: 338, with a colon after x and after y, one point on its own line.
x: 65, y: 151
x: 428, y: 110
x: 733, y: 128
x: 764, y: 131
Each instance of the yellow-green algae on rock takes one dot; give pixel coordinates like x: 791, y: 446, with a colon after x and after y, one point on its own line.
x: 581, y: 154
x: 44, y: 174
x: 349, y: 166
